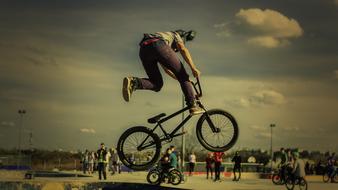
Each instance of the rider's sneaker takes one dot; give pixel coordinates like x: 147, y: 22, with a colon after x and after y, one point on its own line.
x: 128, y: 87
x: 195, y: 110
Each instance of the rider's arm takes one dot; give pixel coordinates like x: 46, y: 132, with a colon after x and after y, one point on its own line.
x: 187, y: 57
x: 169, y: 72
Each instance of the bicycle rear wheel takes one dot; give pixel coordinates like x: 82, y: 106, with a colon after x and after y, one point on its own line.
x: 139, y: 148
x: 226, y: 133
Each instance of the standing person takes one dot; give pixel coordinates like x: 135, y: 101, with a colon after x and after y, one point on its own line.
x: 173, y: 158
x: 331, y: 162
x: 91, y: 163
x: 102, y: 162
x: 237, y: 166
x: 192, y: 162
x: 85, y: 161
x: 160, y: 47
x: 218, y: 163
x: 115, y: 161
x: 209, y: 160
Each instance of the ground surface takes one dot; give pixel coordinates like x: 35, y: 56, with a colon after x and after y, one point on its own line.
x: 198, y: 182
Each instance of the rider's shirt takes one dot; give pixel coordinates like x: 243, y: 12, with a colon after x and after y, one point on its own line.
x: 299, y: 168
x: 170, y: 38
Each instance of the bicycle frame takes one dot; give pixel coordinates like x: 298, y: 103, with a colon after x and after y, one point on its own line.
x: 172, y: 134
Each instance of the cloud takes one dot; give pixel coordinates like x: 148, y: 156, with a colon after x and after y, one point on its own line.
x: 266, y: 28
x: 85, y: 130
x: 268, y: 97
x: 7, y: 124
x: 267, y: 41
x: 262, y: 98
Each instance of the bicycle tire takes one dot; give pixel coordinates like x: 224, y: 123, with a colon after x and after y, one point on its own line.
x: 154, y: 177
x: 326, y: 177
x: 302, y: 184
x: 223, y: 116
x: 175, y: 174
x: 275, y: 179
x: 141, y: 163
x: 289, y: 183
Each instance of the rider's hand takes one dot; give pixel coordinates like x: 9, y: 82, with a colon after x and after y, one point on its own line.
x: 195, y: 72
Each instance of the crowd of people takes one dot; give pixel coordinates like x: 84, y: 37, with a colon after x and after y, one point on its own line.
x: 103, y: 160
x: 107, y: 160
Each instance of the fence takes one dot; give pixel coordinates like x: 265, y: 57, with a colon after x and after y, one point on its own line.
x: 15, y: 162
x: 228, y: 166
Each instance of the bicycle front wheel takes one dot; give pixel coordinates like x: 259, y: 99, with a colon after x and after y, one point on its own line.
x: 154, y: 177
x: 139, y: 148
x: 302, y: 184
x: 225, y: 135
x: 175, y: 177
x: 326, y: 177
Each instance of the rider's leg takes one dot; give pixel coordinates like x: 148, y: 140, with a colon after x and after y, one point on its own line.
x: 168, y: 58
x: 153, y: 82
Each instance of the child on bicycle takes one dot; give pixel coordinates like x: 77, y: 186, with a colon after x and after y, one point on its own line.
x: 161, y: 47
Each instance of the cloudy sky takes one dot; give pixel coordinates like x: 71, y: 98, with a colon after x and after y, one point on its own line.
x: 264, y: 61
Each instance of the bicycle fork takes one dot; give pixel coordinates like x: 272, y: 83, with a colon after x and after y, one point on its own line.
x: 213, y: 128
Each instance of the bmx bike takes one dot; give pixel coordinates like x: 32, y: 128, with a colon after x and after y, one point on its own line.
x: 157, y: 175
x: 139, y: 147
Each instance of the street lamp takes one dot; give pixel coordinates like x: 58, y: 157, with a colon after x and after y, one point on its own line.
x: 271, y: 154
x: 183, y: 138
x: 21, y: 112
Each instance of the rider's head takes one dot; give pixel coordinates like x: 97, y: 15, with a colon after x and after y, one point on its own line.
x: 187, y: 35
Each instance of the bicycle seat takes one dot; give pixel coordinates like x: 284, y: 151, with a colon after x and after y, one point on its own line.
x: 156, y: 118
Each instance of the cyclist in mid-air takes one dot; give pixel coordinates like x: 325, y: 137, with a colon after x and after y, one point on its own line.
x: 160, y: 47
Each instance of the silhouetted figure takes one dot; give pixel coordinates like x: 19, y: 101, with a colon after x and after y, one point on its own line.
x: 102, y: 162
x: 237, y: 166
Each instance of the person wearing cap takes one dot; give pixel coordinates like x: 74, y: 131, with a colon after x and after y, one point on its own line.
x: 102, y: 162
x: 160, y: 47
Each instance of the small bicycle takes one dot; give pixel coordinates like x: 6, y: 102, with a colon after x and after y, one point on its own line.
x: 216, y: 130
x: 157, y: 175
x: 327, y: 175
x: 291, y: 181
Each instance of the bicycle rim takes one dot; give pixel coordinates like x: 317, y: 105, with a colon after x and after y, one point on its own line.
x: 221, y: 140
x: 153, y: 177
x: 131, y: 140
x: 302, y: 184
x: 175, y: 177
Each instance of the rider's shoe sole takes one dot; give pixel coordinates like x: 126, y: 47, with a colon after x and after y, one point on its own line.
x: 125, y: 89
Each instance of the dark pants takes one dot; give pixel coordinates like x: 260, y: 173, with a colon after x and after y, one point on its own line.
x: 102, y: 170
x: 237, y: 169
x: 191, y: 168
x: 85, y: 167
x: 209, y: 169
x: 160, y: 52
x: 217, y: 170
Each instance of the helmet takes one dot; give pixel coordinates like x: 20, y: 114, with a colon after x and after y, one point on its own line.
x: 186, y: 36
x: 190, y: 35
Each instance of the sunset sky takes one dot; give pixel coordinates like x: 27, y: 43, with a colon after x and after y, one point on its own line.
x: 264, y: 61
